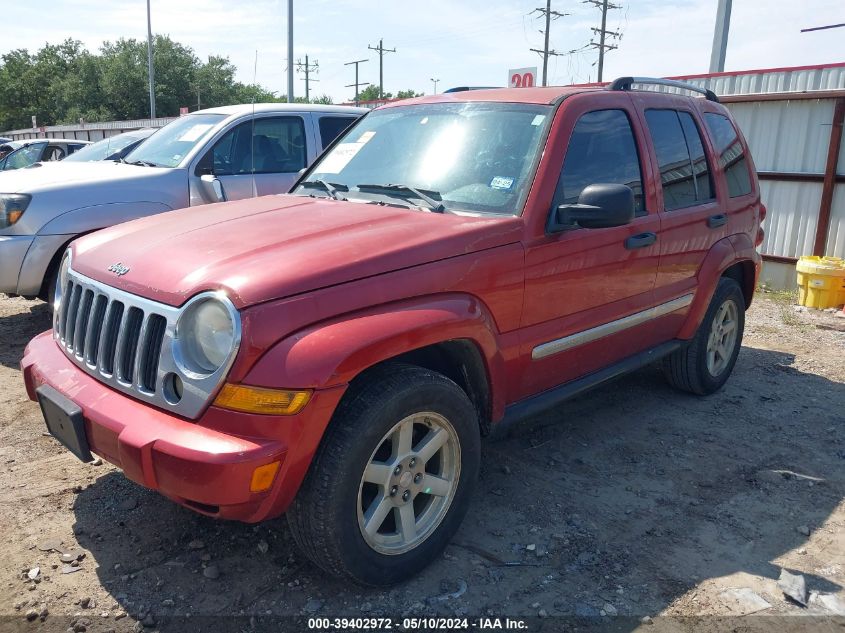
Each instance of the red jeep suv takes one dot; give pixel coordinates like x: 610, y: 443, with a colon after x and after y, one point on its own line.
x: 450, y: 265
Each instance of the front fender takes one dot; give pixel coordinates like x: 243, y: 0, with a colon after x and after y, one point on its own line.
x: 333, y: 352
x: 100, y: 216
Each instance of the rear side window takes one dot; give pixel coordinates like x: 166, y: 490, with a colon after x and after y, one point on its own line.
x: 684, y: 172
x: 332, y: 126
x: 602, y: 149
x: 731, y: 156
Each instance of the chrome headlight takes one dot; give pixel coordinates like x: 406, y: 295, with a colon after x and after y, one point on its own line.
x: 207, y: 333
x: 12, y: 206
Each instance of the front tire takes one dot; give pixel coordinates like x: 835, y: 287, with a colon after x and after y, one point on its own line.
x: 705, y: 363
x: 391, y: 481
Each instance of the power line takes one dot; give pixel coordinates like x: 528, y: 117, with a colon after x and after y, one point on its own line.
x: 546, y: 53
x: 603, y: 33
x: 307, y: 68
x: 381, y: 51
x: 357, y: 84
x: 822, y: 28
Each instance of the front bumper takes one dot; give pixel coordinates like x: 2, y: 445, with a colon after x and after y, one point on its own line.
x: 206, y: 469
x: 13, y: 250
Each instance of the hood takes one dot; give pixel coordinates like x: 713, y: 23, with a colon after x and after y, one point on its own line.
x: 45, y: 177
x: 277, y: 246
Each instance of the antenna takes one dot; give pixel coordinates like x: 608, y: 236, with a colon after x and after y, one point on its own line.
x: 252, y: 129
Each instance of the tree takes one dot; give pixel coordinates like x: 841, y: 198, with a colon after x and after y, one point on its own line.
x: 370, y: 93
x: 324, y: 99
x: 63, y: 83
x: 408, y: 94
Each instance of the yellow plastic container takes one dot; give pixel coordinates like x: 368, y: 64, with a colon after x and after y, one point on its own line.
x: 821, y: 282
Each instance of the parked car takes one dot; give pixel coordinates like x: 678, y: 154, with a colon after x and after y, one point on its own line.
x: 252, y: 150
x: 453, y: 264
x: 112, y: 147
x: 28, y: 152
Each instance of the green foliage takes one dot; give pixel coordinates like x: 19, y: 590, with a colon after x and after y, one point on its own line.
x: 370, y: 93
x: 63, y: 83
x: 408, y: 94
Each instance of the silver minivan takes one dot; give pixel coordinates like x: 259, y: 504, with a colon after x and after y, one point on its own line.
x: 226, y: 153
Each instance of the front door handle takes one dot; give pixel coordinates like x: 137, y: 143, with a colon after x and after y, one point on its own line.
x: 715, y: 221
x: 640, y: 241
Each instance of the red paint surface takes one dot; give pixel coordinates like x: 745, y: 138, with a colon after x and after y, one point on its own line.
x: 328, y: 289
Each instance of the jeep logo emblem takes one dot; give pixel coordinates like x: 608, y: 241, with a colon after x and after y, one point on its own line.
x: 118, y: 269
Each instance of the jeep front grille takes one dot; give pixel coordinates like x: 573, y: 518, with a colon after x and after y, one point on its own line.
x: 126, y: 342
x: 120, y: 342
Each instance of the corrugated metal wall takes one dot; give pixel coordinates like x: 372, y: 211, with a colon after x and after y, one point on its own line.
x: 785, y: 80
x: 792, y: 137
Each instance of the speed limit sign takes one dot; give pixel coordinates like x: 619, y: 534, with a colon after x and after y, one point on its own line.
x: 522, y: 77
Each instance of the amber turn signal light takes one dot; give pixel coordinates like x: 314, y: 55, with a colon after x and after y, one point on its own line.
x: 261, y: 400
x: 263, y: 476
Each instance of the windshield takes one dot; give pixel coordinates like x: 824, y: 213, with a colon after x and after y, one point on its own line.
x: 101, y: 150
x: 169, y: 146
x: 475, y: 157
x: 24, y: 156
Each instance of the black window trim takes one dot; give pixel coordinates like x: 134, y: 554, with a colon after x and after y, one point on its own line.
x: 713, y: 197
x: 637, y: 214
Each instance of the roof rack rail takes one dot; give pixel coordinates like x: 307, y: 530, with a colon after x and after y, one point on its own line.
x: 625, y: 83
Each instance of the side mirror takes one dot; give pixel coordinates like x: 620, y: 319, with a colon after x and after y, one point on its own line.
x: 213, y: 188
x: 599, y: 206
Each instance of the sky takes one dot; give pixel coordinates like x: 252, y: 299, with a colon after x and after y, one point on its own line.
x: 467, y: 42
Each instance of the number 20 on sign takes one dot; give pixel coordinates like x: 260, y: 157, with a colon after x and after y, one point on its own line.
x: 522, y: 77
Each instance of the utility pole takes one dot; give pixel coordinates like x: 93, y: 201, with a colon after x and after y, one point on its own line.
x: 546, y: 53
x: 307, y: 69
x: 381, y: 51
x: 435, y: 82
x: 720, y: 37
x: 603, y: 33
x: 150, y: 70
x: 357, y: 83
x: 290, y: 51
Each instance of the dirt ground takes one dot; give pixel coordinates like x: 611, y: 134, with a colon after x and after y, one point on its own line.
x: 633, y: 506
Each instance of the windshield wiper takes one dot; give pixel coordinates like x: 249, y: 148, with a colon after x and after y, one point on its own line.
x: 330, y: 188
x: 426, y: 196
x: 143, y: 163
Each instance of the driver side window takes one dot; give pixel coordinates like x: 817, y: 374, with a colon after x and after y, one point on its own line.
x: 271, y: 145
x: 602, y: 149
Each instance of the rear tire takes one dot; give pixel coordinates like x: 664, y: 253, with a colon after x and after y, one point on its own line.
x: 705, y: 363
x: 392, y: 478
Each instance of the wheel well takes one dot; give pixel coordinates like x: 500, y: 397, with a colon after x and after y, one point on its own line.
x: 52, y: 267
x: 460, y: 361
x: 743, y: 273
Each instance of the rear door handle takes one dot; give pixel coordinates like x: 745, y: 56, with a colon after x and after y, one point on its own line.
x: 640, y: 241
x: 715, y: 221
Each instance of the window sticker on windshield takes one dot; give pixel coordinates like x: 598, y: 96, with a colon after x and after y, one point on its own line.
x: 366, y: 136
x: 500, y: 182
x: 194, y: 132
x: 538, y: 119
x: 339, y: 158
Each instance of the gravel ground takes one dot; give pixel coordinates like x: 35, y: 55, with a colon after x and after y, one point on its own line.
x: 629, y: 503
